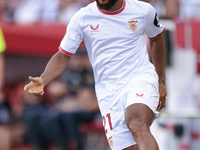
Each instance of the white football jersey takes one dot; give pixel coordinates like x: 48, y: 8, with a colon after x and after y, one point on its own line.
x: 115, y: 42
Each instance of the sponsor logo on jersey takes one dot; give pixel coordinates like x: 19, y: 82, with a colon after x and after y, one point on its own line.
x: 139, y: 95
x: 133, y: 25
x: 156, y: 21
x: 94, y: 29
x: 110, y: 141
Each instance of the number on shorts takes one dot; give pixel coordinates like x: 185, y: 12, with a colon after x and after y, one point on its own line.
x: 109, y: 121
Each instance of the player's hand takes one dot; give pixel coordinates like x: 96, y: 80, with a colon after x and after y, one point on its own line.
x: 163, y: 94
x: 35, y: 87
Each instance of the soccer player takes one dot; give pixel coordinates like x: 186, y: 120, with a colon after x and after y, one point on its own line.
x: 129, y: 88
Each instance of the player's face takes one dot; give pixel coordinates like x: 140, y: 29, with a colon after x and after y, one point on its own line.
x: 106, y: 4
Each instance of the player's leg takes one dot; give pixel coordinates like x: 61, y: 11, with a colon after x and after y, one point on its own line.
x: 133, y: 147
x: 117, y: 133
x: 138, y: 119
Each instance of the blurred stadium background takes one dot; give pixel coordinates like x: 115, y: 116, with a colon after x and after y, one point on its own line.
x: 67, y: 116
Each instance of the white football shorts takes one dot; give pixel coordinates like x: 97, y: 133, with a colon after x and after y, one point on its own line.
x: 118, y: 135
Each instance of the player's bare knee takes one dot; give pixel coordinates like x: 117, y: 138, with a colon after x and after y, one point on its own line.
x: 137, y: 127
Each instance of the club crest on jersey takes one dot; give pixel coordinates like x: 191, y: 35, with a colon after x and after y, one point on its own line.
x: 133, y: 25
x: 110, y: 141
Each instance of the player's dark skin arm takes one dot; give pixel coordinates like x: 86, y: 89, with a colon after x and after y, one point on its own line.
x: 54, y: 68
x: 158, y: 57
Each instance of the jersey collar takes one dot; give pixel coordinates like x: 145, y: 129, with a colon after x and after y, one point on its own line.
x: 113, y: 12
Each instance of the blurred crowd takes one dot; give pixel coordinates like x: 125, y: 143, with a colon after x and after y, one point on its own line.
x: 55, y: 120
x: 41, y: 11
x: 70, y: 100
x: 176, y: 9
x: 61, y: 11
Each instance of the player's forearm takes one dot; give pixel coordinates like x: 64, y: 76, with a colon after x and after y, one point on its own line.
x: 158, y: 56
x: 55, y: 67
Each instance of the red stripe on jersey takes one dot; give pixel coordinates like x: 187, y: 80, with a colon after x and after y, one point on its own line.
x: 65, y: 52
x: 157, y: 35
x: 114, y: 12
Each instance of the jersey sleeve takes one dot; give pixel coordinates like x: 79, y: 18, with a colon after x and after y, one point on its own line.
x: 73, y: 36
x: 152, y: 26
